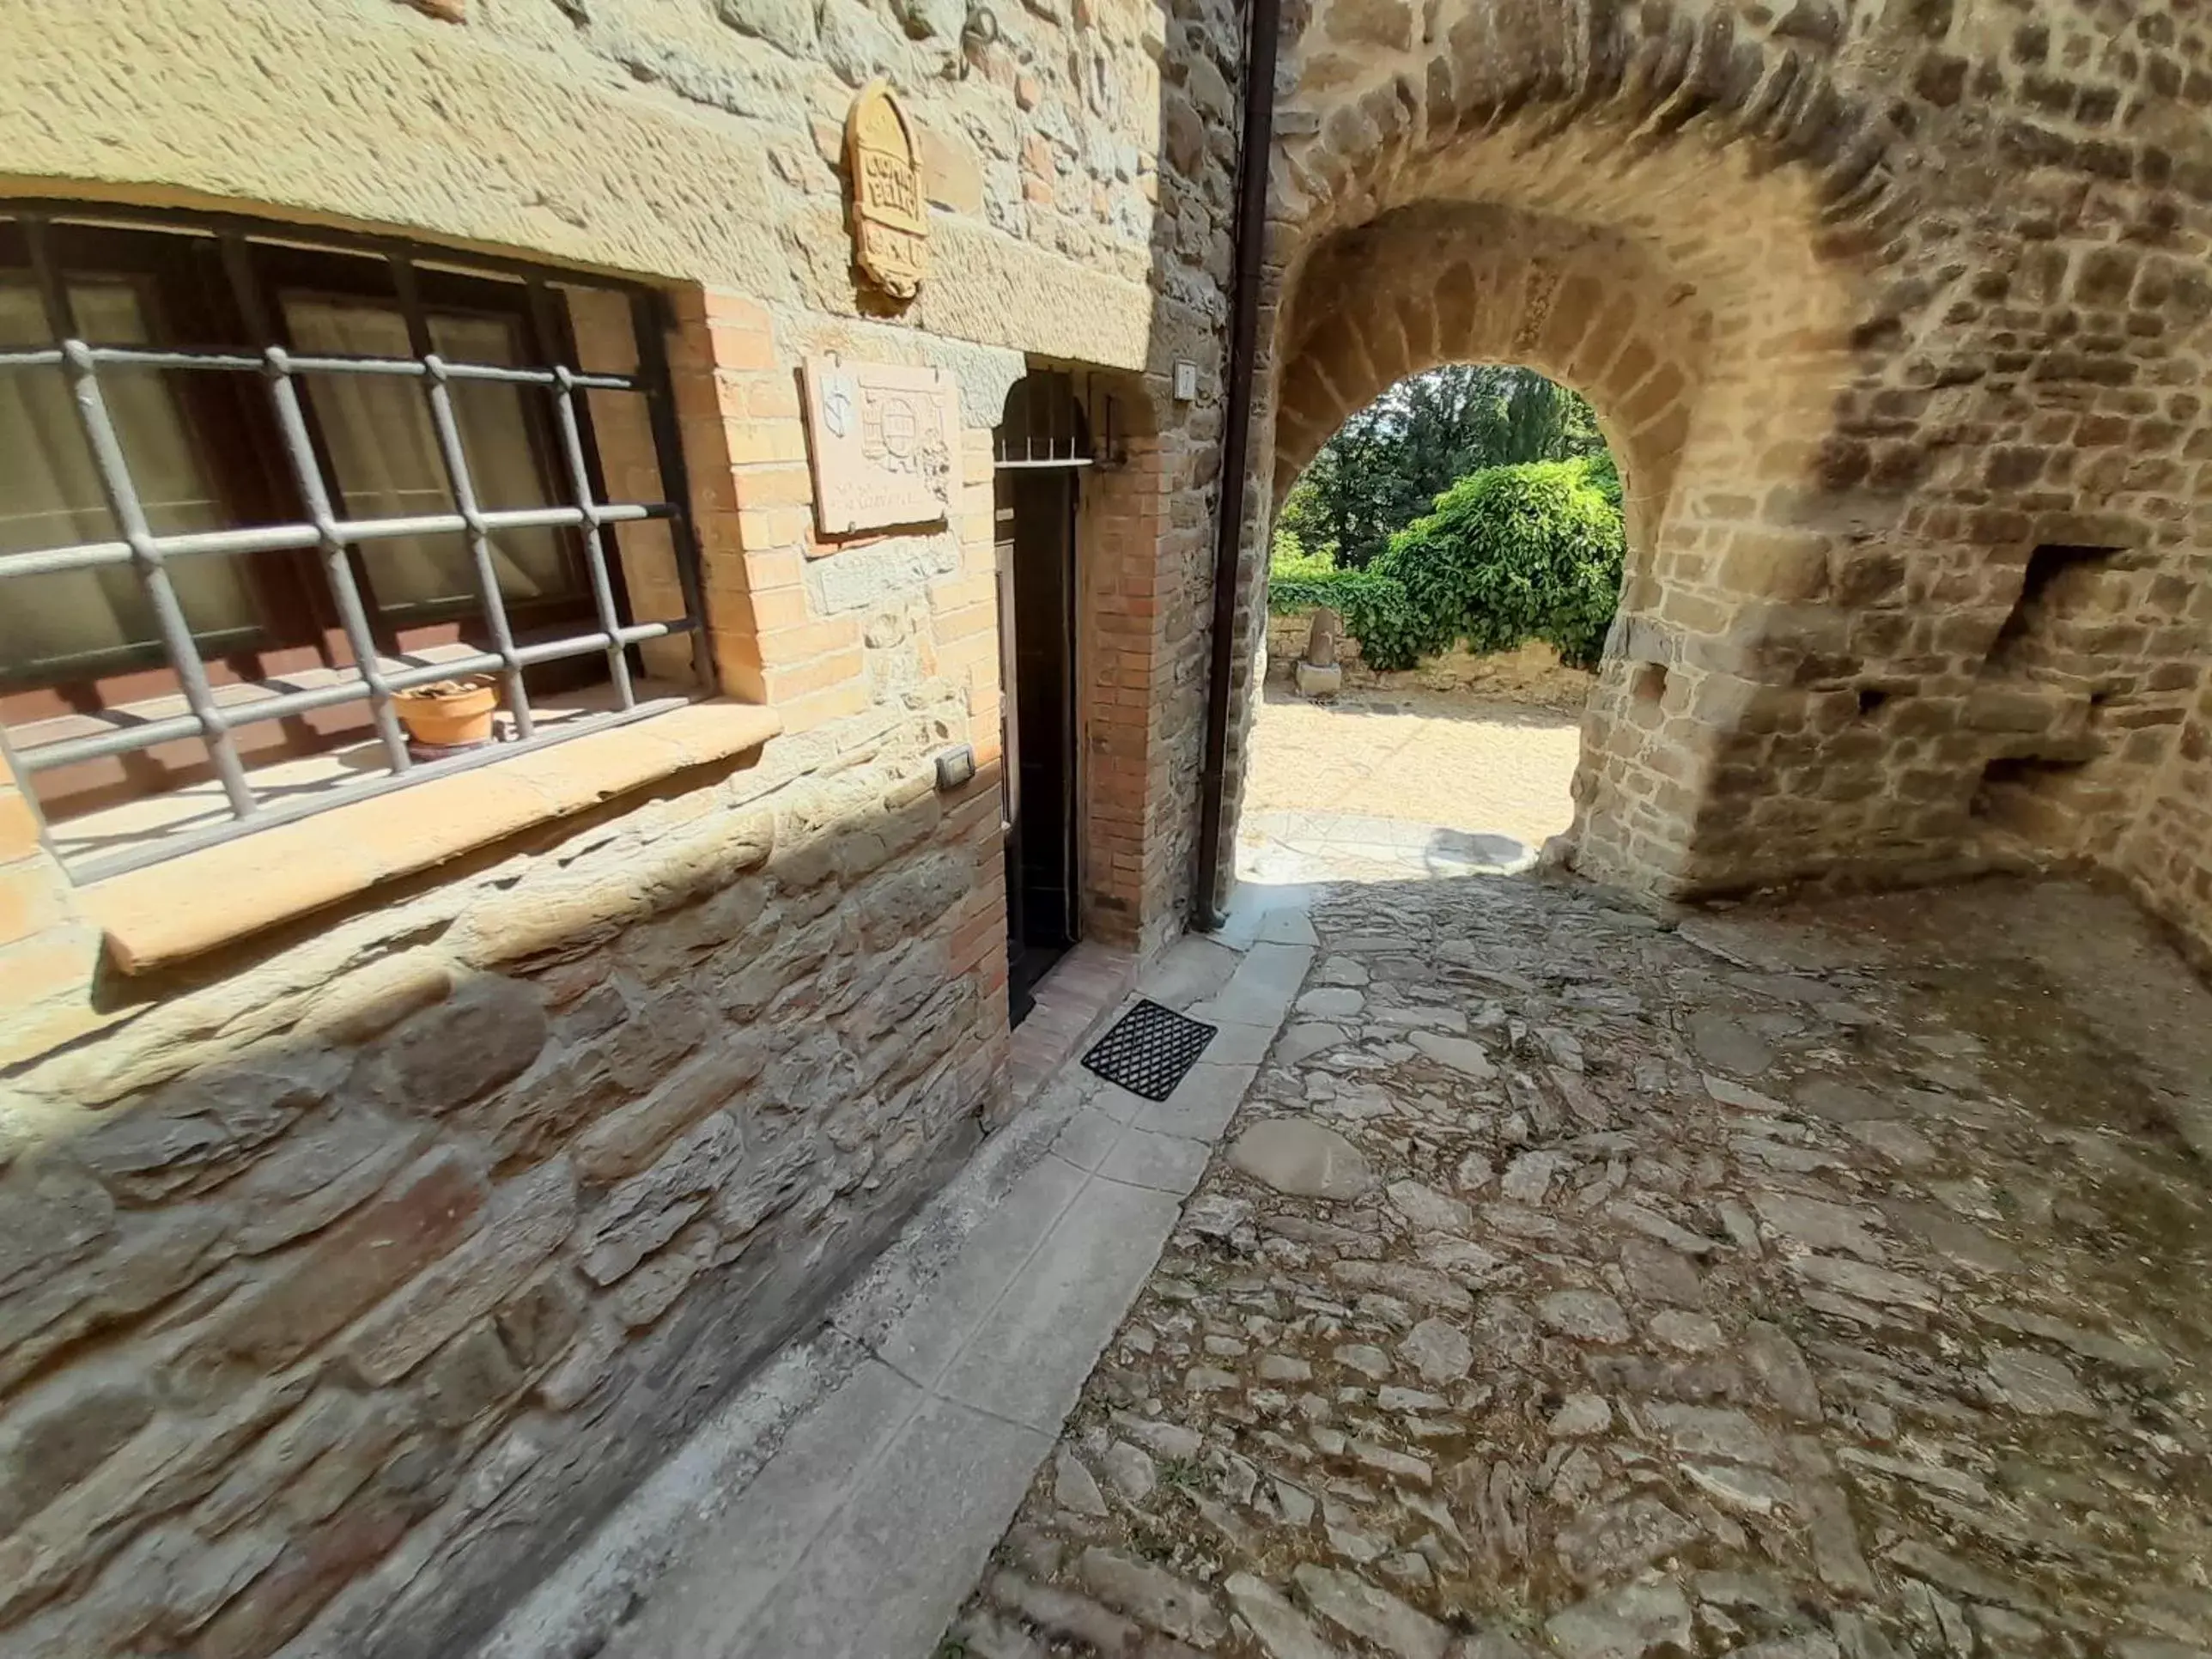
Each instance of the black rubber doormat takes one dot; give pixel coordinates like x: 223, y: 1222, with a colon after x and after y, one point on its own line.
x: 1149, y: 1050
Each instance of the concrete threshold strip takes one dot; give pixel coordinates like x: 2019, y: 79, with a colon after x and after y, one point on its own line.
x: 842, y: 1504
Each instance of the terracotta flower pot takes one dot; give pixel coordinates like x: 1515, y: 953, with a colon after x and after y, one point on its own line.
x: 449, y: 714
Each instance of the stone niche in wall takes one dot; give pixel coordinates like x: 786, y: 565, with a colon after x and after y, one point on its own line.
x: 2044, y: 687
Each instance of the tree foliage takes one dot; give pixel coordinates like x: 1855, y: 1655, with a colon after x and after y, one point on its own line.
x: 1510, y: 554
x: 1391, y: 461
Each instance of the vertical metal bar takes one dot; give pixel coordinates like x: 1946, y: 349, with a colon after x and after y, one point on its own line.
x: 547, y: 322
x: 440, y: 392
x: 479, y: 538
x: 595, y: 552
x: 338, y: 565
x: 54, y: 292
x: 668, y: 443
x: 146, y: 558
x: 315, y: 497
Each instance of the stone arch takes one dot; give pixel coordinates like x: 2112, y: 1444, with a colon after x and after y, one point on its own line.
x: 1948, y: 316
x: 1781, y: 703
x: 1391, y: 97
x: 1549, y: 200
x: 1446, y: 282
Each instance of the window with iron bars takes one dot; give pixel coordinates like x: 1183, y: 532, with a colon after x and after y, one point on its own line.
x: 259, y: 485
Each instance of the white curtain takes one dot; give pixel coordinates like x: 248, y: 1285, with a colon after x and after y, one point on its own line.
x: 50, y: 494
x: 385, y: 450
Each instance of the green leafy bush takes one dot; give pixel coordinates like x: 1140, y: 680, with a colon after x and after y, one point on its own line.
x: 1375, y: 609
x: 1510, y: 554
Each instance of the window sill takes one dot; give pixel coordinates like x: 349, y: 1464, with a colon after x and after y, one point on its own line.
x: 199, y: 902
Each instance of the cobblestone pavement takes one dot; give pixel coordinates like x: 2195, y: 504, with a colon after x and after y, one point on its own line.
x: 1803, y: 1284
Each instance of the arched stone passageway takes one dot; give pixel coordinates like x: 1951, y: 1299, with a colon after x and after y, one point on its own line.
x: 1711, y: 369
x: 1443, y: 283
x: 1903, y: 385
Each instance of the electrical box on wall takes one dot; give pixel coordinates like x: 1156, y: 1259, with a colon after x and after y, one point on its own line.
x: 1185, y: 382
x: 956, y: 766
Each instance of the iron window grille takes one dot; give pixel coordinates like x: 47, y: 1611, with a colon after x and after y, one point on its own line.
x: 341, y: 544
x: 1057, y: 419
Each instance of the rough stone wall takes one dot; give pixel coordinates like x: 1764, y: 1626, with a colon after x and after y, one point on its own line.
x: 2169, y: 853
x: 349, y: 1273
x: 348, y: 1276
x: 705, y: 129
x: 343, y: 1287
x: 1951, y: 258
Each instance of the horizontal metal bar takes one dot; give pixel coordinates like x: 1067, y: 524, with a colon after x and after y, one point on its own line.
x: 155, y: 357
x: 1045, y: 467
x: 292, y: 363
x: 177, y: 844
x: 581, y: 644
x: 122, y: 740
x: 277, y: 538
x: 568, y: 645
x: 288, y: 705
x: 246, y: 538
x: 542, y: 377
x: 148, y: 357
x: 519, y: 517
x: 86, y: 555
x: 416, y: 369
x: 446, y: 668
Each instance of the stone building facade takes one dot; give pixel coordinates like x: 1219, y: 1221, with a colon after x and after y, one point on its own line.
x: 381, y: 1192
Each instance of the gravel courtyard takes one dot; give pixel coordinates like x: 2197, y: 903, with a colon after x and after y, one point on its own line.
x: 1431, y: 757
x: 1801, y: 1283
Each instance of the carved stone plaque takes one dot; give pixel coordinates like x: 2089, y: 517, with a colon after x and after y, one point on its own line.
x: 890, y: 220
x: 886, y: 442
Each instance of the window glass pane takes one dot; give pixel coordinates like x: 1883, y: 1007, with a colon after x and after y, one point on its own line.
x: 384, y: 448
x: 50, y: 495
x: 503, y: 464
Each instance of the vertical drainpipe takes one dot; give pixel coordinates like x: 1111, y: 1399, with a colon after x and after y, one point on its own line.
x: 1263, y: 25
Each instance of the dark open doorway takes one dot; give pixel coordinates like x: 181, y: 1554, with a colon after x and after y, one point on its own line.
x: 1040, y: 453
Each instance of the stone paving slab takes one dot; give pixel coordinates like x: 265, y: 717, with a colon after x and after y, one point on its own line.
x: 1028, y: 1360
x: 887, y: 1575
x: 860, y: 1531
x: 1204, y: 1101
x: 715, y: 1596
x: 923, y: 1341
